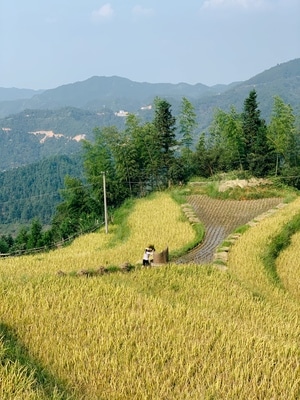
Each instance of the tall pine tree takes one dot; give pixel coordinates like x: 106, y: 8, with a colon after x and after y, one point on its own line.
x: 258, y: 155
x: 164, y: 123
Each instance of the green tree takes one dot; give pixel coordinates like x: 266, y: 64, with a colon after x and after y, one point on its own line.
x: 35, y: 235
x: 187, y: 126
x: 201, y: 166
x: 235, y: 139
x: 99, y: 158
x: 151, y: 154
x: 187, y: 123
x: 21, y: 240
x: 282, y: 134
x: 258, y: 155
x: 142, y: 149
x: 126, y: 148
x: 76, y: 212
x: 164, y: 123
x: 228, y: 139
x: 4, y: 247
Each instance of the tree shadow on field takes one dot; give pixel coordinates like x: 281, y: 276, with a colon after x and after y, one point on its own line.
x: 15, y: 351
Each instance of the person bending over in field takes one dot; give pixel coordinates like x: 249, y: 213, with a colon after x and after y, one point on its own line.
x: 148, y: 255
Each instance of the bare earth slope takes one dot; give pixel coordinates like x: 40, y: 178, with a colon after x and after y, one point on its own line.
x: 220, y: 218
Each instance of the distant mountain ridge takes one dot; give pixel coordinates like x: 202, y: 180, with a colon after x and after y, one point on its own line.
x: 98, y: 92
x: 115, y: 93
x: 286, y: 70
x: 72, y: 111
x: 11, y: 94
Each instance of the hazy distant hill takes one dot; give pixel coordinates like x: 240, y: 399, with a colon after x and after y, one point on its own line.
x: 13, y: 100
x: 10, y: 94
x: 282, y: 80
x: 52, y: 122
x: 115, y: 93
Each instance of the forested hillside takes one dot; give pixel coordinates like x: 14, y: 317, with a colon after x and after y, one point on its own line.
x: 33, y: 135
x: 33, y: 191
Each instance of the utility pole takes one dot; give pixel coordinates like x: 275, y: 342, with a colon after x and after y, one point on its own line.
x: 105, y: 206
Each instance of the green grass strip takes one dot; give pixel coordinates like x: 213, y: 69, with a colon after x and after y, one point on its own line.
x: 120, y: 218
x: 279, y: 243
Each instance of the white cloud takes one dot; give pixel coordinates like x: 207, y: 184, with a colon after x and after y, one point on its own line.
x: 214, y: 4
x: 139, y: 10
x: 103, y: 13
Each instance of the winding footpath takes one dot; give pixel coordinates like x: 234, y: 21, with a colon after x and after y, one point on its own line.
x: 220, y: 218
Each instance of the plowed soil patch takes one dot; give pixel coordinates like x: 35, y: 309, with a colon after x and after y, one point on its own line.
x: 220, y: 218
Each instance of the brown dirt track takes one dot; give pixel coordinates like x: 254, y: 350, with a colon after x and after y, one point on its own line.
x: 220, y: 218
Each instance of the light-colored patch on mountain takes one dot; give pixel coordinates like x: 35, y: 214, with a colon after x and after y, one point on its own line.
x: 78, y: 138
x: 50, y: 134
x: 46, y: 135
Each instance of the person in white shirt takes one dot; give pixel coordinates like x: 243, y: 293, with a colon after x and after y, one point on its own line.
x: 146, y: 257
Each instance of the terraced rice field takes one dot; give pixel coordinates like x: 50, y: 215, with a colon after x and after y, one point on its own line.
x: 220, y: 218
x: 171, y: 332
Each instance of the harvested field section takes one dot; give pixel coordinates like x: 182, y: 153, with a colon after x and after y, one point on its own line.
x: 220, y: 218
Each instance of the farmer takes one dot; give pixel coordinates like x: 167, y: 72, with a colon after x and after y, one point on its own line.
x: 146, y: 257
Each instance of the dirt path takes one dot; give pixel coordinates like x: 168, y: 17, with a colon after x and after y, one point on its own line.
x: 220, y: 218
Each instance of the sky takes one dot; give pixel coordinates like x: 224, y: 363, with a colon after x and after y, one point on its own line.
x: 48, y: 43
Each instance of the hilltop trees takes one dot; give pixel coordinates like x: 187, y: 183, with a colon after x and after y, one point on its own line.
x: 244, y: 141
x: 153, y: 155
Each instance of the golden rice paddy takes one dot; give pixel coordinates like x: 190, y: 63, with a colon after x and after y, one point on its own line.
x: 168, y: 332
